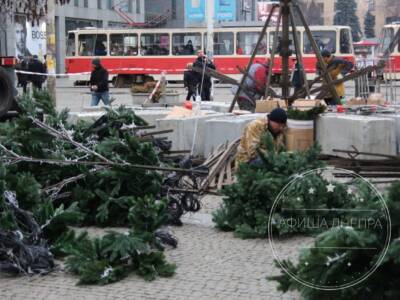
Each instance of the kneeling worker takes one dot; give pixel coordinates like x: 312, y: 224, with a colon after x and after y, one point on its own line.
x: 274, y: 124
x: 255, y: 83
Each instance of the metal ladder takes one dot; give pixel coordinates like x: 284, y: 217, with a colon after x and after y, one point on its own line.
x: 362, y: 83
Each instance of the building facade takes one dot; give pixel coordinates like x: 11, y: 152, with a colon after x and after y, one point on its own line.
x: 91, y: 13
x: 244, y: 12
x: 75, y: 14
x: 385, y: 12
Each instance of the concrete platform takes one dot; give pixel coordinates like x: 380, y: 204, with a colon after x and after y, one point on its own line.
x: 367, y: 133
x: 396, y: 118
x: 102, y: 108
x: 184, y: 128
x: 169, y: 99
x: 225, y: 129
x: 222, y: 107
x: 92, y: 116
x: 152, y: 115
x: 77, y: 102
x: 149, y: 115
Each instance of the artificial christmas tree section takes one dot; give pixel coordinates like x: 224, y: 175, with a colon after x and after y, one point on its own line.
x: 247, y: 203
x: 342, y: 254
x: 61, y: 175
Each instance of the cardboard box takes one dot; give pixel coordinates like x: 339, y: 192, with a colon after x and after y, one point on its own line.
x: 266, y: 106
x: 299, y: 135
x: 376, y: 99
x: 356, y: 102
x: 305, y: 104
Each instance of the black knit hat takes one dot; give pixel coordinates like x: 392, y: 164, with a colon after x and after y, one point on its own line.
x: 326, y: 53
x: 96, y: 62
x: 278, y: 115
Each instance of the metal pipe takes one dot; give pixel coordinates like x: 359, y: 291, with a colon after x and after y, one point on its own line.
x: 260, y: 38
x: 285, y: 49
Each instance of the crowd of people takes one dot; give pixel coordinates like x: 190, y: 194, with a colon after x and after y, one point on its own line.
x: 34, y: 65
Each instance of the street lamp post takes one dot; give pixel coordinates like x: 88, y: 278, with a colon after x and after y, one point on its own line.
x: 210, y: 28
x: 210, y: 11
x: 51, y: 48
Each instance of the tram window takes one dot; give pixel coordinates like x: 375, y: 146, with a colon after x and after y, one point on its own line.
x: 154, y: 44
x: 246, y: 42
x: 345, y: 41
x: 324, y: 40
x: 123, y: 44
x: 71, y: 44
x: 223, y: 43
x: 92, y: 44
x: 388, y: 34
x: 186, y: 43
x: 279, y: 45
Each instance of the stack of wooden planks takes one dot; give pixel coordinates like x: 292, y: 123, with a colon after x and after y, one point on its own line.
x: 221, y: 165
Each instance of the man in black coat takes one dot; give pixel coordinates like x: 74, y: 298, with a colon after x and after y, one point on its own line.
x: 190, y: 81
x: 22, y: 78
x: 36, y: 66
x: 204, y: 83
x: 99, y: 83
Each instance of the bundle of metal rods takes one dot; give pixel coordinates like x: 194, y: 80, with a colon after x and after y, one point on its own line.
x: 379, y: 166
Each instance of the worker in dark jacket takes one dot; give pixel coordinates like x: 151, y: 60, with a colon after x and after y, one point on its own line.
x: 204, y: 79
x: 99, y: 83
x: 23, y: 78
x: 337, y: 67
x: 190, y: 82
x: 36, y: 66
x: 255, y: 83
x: 297, y: 79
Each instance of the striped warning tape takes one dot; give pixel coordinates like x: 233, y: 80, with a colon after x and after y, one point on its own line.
x: 111, y: 70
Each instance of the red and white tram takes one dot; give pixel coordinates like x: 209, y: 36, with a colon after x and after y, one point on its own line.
x: 131, y: 54
x: 392, y: 70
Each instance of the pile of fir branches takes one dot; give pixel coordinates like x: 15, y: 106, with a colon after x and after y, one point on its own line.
x: 61, y: 175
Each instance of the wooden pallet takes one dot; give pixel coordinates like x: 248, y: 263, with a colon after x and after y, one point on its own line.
x: 221, y: 165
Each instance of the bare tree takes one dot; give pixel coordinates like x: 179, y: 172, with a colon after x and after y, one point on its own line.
x: 33, y: 9
x: 392, y: 8
x: 313, y: 12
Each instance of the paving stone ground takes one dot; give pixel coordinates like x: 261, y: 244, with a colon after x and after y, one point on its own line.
x: 210, y: 265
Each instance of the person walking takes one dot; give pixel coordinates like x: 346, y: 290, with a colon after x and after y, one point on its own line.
x: 36, y: 66
x: 99, y: 83
x: 190, y: 82
x: 22, y: 78
x: 45, y: 67
x: 297, y: 78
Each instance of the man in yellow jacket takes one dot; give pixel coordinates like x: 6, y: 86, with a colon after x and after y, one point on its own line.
x: 273, y: 124
x: 336, y: 67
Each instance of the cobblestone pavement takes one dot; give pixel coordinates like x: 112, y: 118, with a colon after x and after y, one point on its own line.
x: 210, y: 265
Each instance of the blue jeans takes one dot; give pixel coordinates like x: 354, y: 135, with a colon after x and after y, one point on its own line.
x: 105, y: 96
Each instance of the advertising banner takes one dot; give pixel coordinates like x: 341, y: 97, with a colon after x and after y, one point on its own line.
x: 263, y: 10
x: 195, y: 11
x: 29, y: 40
x: 225, y: 10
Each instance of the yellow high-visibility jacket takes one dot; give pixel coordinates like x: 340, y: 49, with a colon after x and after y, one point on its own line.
x: 340, y: 66
x: 251, y: 139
